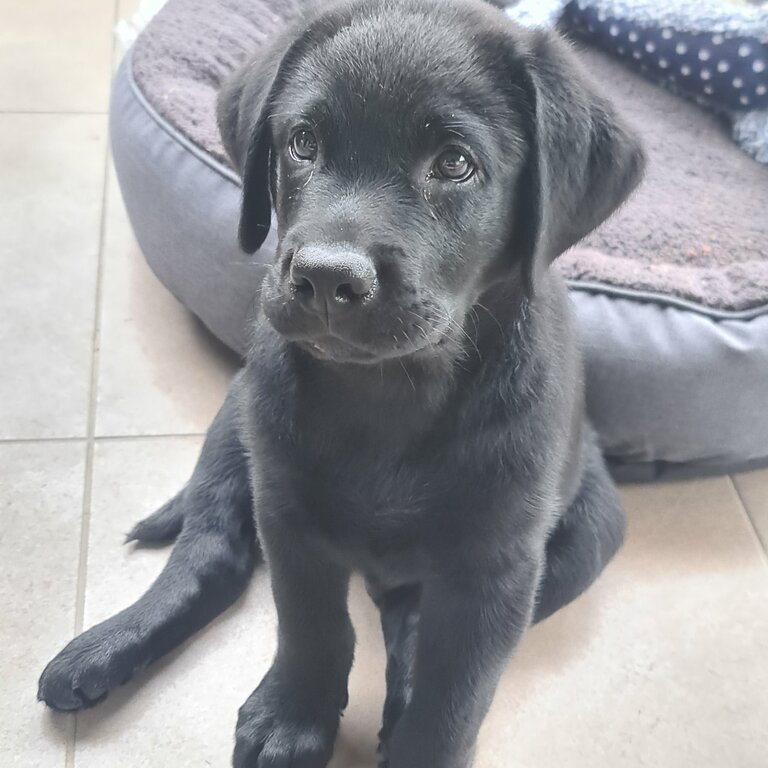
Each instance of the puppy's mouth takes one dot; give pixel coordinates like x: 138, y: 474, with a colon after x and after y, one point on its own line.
x: 334, y: 349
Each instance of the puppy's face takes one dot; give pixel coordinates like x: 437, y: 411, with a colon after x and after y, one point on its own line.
x: 395, y: 169
x: 402, y: 152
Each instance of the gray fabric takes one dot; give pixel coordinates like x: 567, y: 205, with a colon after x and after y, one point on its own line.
x: 667, y: 386
x: 672, y: 390
x: 750, y: 130
x: 183, y: 209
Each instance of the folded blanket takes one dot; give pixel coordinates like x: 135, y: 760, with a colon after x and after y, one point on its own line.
x: 712, y: 51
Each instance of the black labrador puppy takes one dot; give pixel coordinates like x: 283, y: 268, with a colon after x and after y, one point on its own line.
x: 412, y: 405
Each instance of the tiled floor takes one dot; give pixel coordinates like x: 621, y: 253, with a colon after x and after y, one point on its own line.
x: 106, y: 389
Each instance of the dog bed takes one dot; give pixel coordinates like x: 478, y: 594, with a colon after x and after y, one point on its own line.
x: 671, y: 294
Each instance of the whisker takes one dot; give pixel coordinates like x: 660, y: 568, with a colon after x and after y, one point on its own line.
x: 493, y: 317
x: 452, y: 323
x: 475, y: 319
x: 424, y: 334
x: 463, y: 331
x: 407, y: 375
x: 311, y: 174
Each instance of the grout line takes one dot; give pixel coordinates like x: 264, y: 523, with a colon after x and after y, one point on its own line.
x: 53, y: 112
x: 69, y: 754
x: 90, y: 444
x: 85, y: 523
x: 97, y: 438
x: 24, y: 440
x: 761, y: 545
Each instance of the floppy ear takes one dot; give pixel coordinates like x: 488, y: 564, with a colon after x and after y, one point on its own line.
x: 244, y: 127
x: 584, y: 161
x: 243, y: 111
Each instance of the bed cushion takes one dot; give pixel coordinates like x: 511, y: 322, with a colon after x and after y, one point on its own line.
x: 671, y: 294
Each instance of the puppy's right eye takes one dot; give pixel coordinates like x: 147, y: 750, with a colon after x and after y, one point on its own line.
x: 454, y: 164
x: 303, y: 145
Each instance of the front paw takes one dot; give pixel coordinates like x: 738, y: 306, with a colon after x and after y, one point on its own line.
x: 283, y: 726
x: 94, y: 663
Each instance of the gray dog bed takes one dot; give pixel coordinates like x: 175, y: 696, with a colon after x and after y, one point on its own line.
x: 671, y: 294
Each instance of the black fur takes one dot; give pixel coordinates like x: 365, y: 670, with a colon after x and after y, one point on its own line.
x: 427, y: 429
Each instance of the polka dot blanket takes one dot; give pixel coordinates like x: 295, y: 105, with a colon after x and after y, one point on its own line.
x: 710, y: 51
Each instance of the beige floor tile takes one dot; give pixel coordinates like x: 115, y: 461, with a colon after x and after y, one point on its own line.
x: 51, y: 187
x: 753, y: 489
x: 661, y: 664
x: 126, y: 8
x: 40, y: 512
x: 160, y: 372
x: 55, y: 56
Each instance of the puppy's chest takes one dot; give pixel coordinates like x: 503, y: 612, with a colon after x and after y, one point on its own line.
x: 370, y: 502
x: 369, y: 486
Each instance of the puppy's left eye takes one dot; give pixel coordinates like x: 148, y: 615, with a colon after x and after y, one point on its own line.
x: 453, y: 164
x: 303, y: 145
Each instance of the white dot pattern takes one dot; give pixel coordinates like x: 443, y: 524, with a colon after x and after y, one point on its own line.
x: 719, y: 68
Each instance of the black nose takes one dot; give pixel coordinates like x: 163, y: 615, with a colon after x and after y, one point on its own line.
x: 332, y: 276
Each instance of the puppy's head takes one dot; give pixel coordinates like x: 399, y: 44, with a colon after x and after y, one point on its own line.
x: 415, y: 152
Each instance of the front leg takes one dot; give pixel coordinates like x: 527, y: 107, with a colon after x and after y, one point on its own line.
x: 471, y: 622
x: 399, y: 609
x: 292, y: 718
